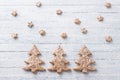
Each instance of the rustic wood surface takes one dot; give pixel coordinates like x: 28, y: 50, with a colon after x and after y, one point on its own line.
x: 14, y: 52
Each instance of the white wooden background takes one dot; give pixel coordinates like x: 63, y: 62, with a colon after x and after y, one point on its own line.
x: 14, y: 52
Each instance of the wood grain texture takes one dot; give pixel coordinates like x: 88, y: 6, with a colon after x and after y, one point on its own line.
x: 13, y: 53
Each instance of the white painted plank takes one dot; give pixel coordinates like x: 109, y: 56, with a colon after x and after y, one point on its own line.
x: 58, y: 2
x: 17, y: 72
x: 103, y: 77
x: 58, y: 40
x: 67, y: 47
x: 66, y: 9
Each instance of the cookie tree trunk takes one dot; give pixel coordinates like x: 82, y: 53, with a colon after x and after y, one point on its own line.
x: 59, y: 62
x: 33, y: 63
x: 84, y: 62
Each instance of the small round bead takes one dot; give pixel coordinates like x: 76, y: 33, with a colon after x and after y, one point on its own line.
x: 108, y: 39
x: 42, y: 32
x: 100, y: 18
x: 83, y: 30
x: 59, y: 12
x: 77, y: 21
x: 14, y: 35
x: 14, y: 13
x: 64, y: 35
x: 108, y: 5
x: 30, y: 24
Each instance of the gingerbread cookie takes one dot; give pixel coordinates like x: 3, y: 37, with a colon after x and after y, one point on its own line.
x: 59, y: 62
x: 33, y: 63
x: 84, y: 62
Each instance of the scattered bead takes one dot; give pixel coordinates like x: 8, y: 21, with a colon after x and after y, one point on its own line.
x: 14, y: 13
x: 77, y: 21
x: 59, y: 12
x: 108, y: 39
x: 100, y: 18
x: 14, y: 35
x: 64, y: 35
x: 108, y: 5
x: 83, y: 30
x: 38, y: 4
x: 42, y: 32
x: 30, y: 24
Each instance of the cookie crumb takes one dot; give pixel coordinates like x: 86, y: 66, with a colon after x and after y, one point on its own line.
x: 59, y: 12
x: 14, y: 35
x: 14, y: 13
x: 108, y: 5
x: 100, y: 18
x: 30, y: 24
x: 77, y: 21
x: 64, y: 35
x: 42, y: 32
x: 38, y: 4
x: 84, y: 30
x: 108, y: 39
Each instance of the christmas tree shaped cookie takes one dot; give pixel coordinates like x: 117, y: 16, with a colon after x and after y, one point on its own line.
x: 59, y: 62
x: 33, y: 63
x: 84, y: 62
